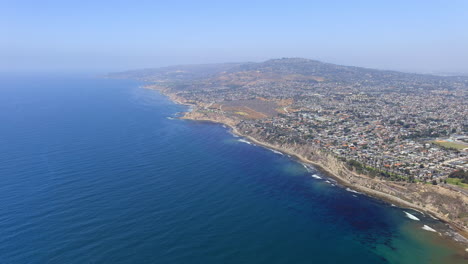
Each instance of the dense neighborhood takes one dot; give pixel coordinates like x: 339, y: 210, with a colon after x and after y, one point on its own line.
x: 399, y: 126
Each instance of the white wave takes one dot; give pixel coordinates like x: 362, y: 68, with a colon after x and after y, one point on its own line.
x: 316, y: 176
x: 354, y: 195
x: 224, y: 126
x: 170, y: 118
x: 327, y: 181
x: 307, y: 167
x: 332, y: 184
x: 277, y: 152
x: 417, y: 211
x: 351, y: 190
x: 428, y: 228
x: 244, y: 141
x: 410, y: 216
x: 393, y: 205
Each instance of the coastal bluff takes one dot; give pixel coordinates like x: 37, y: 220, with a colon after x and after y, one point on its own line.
x: 440, y: 202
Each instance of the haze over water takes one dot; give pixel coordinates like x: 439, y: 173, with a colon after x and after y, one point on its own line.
x: 93, y: 171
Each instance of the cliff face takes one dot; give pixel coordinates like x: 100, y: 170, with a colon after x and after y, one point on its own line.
x: 448, y: 205
x: 212, y: 117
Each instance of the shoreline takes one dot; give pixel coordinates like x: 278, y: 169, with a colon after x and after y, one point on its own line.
x: 458, y: 234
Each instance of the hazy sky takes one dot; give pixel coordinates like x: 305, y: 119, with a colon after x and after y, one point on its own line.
x: 113, y: 35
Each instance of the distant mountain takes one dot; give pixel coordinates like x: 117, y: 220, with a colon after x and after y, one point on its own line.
x: 291, y: 70
x: 177, y: 72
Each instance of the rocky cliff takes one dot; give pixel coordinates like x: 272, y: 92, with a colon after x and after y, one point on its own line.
x: 448, y: 205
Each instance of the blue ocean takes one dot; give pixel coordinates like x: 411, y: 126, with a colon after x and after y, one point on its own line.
x: 97, y: 171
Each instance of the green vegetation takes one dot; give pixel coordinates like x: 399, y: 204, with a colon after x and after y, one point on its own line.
x: 449, y: 145
x: 460, y: 174
x: 457, y: 182
x: 374, y: 172
x: 356, y: 165
x: 459, y: 178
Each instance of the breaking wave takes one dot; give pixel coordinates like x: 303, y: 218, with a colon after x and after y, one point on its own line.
x: 244, y: 141
x: 316, y: 176
x: 428, y: 228
x: 351, y: 190
x: 277, y: 152
x: 307, y: 167
x: 410, y: 216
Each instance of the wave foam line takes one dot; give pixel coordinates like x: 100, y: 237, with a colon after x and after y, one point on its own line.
x: 307, y: 167
x: 351, y: 190
x: 410, y: 216
x: 277, y: 152
x: 244, y: 141
x: 428, y: 228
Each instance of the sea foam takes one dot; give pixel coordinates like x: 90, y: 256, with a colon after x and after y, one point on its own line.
x: 309, y: 169
x: 316, y: 176
x: 410, y: 216
x: 277, y: 152
x: 244, y: 141
x: 351, y: 190
x: 428, y: 228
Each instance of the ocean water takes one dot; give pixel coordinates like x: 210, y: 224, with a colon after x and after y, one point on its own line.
x: 94, y: 171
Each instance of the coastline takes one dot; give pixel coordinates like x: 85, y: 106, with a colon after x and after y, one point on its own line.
x: 459, y: 233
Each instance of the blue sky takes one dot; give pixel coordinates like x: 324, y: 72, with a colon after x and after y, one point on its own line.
x: 422, y: 36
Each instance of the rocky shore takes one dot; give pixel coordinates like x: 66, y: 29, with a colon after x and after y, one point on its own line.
x: 447, y: 205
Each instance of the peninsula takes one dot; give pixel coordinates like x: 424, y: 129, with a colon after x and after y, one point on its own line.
x: 401, y: 137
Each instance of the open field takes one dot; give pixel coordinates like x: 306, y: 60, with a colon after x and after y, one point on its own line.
x: 448, y: 144
x: 245, y: 112
x: 253, y: 109
x: 456, y: 181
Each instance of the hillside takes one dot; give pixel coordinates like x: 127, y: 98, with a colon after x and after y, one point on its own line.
x: 292, y: 70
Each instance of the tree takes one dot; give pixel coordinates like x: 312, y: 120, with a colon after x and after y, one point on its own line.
x: 460, y: 174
